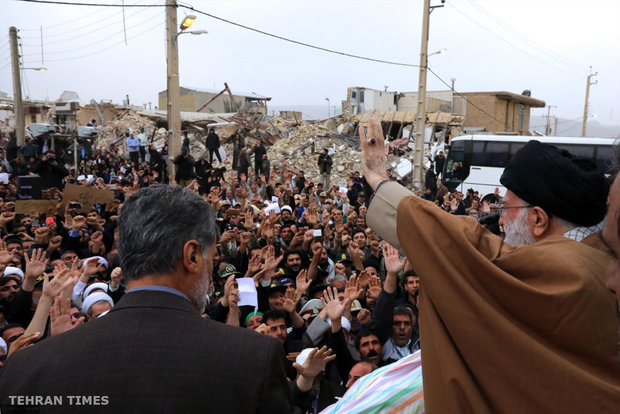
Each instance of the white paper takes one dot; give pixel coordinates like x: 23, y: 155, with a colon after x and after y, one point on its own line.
x: 272, y: 208
x: 247, y: 292
x: 343, y: 190
x: 274, y: 199
x: 4, y: 177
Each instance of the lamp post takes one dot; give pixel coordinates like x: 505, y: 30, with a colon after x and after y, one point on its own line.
x: 173, y: 108
x: 328, y: 108
x: 37, y: 69
x: 420, y: 125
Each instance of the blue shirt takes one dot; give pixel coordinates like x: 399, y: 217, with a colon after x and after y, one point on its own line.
x: 133, y: 144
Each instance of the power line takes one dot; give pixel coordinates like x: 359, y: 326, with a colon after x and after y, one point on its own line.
x: 462, y: 95
x: 559, y: 122
x: 69, y: 3
x: 504, y: 25
x: 137, y: 25
x: 68, y: 21
x: 74, y: 31
x: 510, y: 43
x: 298, y: 42
x: 566, y: 129
x: 106, y: 48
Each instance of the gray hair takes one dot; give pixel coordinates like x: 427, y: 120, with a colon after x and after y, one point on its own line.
x: 154, y: 225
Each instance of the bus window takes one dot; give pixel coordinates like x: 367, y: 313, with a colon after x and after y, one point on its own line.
x: 497, y: 154
x: 582, y: 151
x: 479, y: 156
x: 454, y: 162
x: 514, y: 147
x: 604, y: 159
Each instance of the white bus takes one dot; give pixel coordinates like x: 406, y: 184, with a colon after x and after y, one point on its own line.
x: 478, y: 161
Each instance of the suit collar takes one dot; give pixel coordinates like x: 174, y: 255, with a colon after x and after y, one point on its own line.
x: 154, y: 299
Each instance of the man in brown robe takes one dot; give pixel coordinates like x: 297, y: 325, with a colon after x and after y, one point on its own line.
x: 504, y: 329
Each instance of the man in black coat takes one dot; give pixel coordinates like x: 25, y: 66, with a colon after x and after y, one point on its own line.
x: 185, y: 167
x: 153, y: 353
x: 259, y: 151
x: 50, y: 170
x: 213, y: 145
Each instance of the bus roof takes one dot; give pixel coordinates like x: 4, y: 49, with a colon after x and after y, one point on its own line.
x: 545, y: 139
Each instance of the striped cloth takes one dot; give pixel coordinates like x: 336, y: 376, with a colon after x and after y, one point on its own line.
x: 393, y: 389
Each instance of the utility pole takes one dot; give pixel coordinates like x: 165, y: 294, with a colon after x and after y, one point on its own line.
x: 452, y: 88
x: 420, y: 123
x: 585, y: 107
x: 18, y: 107
x: 174, y: 92
x: 548, y: 128
x: 555, y: 126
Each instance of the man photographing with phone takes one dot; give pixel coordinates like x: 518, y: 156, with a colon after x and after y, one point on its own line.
x: 50, y: 170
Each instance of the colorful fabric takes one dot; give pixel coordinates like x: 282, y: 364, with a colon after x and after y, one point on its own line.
x: 392, y: 389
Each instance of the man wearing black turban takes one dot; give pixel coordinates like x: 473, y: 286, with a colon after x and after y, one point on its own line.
x: 551, y: 192
x: 506, y: 328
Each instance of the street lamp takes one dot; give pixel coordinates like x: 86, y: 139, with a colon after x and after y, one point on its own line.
x: 328, y: 108
x: 37, y: 69
x: 439, y: 52
x: 187, y: 22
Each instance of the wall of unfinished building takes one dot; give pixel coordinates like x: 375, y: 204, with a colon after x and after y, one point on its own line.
x: 506, y: 114
x: 436, y: 101
x: 88, y: 112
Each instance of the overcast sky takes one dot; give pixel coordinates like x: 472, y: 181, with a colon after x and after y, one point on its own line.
x: 546, y: 46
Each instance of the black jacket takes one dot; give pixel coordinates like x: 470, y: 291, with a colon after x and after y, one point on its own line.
x: 152, y: 353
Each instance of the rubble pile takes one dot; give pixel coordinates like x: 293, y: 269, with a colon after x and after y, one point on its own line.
x: 303, y: 142
x: 116, y: 130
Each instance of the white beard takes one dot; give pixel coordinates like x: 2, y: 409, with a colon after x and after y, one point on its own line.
x: 518, y: 231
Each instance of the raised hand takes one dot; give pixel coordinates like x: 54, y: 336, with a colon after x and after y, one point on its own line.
x: 5, y: 256
x: 23, y: 341
x: 78, y: 223
x: 271, y: 262
x: 291, y: 297
x: 302, y: 282
x: 374, y: 288
x: 254, y: 264
x: 60, y: 317
x: 364, y: 316
x: 228, y: 287
x: 352, y: 290
x: 42, y: 235
x: 55, y: 286
x: 35, y: 264
x: 393, y: 264
x: 373, y: 153
x: 333, y: 307
x: 116, y: 277
x: 363, y: 279
x: 314, y: 364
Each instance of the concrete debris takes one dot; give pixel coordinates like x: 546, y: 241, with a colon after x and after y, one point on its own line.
x: 295, y: 140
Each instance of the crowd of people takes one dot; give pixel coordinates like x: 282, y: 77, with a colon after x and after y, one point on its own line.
x: 322, y: 277
x: 296, y: 259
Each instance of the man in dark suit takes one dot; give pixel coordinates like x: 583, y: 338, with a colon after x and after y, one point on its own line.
x: 153, y: 352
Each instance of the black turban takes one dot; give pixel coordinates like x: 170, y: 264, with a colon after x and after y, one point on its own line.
x: 563, y: 185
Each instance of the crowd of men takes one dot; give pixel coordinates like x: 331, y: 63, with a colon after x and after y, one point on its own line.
x: 340, y: 300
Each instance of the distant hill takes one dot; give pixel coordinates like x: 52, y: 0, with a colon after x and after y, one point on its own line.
x: 572, y: 128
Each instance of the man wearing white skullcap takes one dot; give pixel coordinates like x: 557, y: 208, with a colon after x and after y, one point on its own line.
x: 95, y: 304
